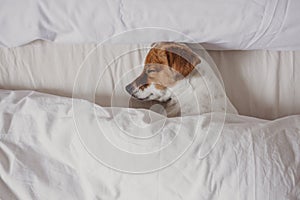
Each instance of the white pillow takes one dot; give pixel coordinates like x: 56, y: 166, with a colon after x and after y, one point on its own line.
x: 231, y: 24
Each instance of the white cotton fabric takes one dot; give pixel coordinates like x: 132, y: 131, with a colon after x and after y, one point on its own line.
x: 262, y: 84
x: 43, y: 156
x: 233, y: 24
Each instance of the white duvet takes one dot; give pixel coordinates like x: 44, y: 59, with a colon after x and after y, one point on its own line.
x: 53, y: 148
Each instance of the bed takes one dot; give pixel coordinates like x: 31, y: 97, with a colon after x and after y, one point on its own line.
x: 69, y: 130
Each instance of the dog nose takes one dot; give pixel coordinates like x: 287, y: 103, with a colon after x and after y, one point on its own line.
x: 129, y: 88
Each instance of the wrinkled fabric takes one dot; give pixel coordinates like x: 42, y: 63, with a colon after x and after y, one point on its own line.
x: 234, y: 24
x: 43, y: 155
x: 263, y: 84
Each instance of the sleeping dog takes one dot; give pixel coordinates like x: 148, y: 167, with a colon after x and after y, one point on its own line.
x: 176, y: 76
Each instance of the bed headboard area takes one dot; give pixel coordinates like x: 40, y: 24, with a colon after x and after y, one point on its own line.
x: 234, y: 24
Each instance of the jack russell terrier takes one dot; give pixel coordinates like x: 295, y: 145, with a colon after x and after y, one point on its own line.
x: 176, y: 76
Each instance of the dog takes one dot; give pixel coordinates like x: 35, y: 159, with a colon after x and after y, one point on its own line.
x: 175, y: 75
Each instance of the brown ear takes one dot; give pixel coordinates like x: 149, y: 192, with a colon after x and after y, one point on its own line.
x: 181, y: 58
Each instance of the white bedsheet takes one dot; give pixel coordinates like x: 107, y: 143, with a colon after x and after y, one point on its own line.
x: 42, y: 156
x: 234, y: 24
x: 262, y: 84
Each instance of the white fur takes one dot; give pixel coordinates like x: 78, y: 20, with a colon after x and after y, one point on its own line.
x: 152, y: 93
x: 200, y: 92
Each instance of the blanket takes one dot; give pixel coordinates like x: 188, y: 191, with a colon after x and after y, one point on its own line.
x: 54, y: 147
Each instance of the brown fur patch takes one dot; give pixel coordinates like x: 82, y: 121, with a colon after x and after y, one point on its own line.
x: 159, y: 87
x: 165, y: 64
x: 175, y: 55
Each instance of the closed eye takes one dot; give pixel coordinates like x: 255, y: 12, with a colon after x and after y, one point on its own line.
x: 151, y: 71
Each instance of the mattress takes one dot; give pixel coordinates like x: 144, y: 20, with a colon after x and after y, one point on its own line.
x: 259, y: 83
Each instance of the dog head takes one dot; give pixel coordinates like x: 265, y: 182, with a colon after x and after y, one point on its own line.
x: 165, y: 65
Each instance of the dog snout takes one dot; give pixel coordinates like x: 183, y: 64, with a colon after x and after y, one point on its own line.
x: 130, y: 88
